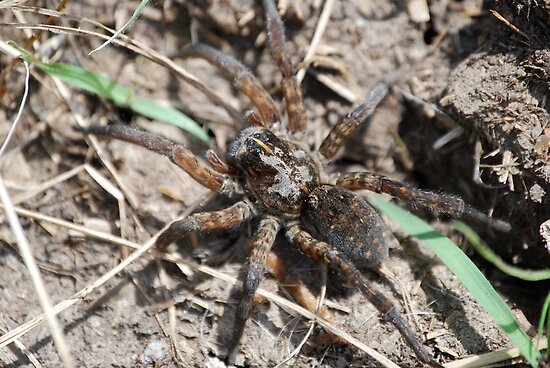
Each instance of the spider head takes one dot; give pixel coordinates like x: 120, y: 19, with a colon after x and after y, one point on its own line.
x: 277, y: 173
x: 245, y: 151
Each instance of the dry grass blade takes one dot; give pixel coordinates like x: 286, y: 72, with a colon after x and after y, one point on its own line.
x: 21, y: 330
x: 92, y: 141
x: 23, y: 349
x: 132, y: 45
x: 94, y: 174
x: 317, y: 35
x: 493, y: 357
x: 510, y: 25
x: 120, y: 95
x: 339, y: 88
x: 138, y: 10
x: 6, y: 4
x: 285, y: 303
x: 26, y: 195
x: 28, y: 258
x: 141, y: 249
x: 320, y: 302
x: 112, y: 190
x: 25, y: 249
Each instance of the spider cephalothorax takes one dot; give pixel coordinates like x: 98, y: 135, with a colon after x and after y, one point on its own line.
x: 282, y: 182
x: 277, y: 173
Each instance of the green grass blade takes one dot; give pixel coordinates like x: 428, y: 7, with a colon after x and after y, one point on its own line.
x: 490, y: 256
x: 120, y: 95
x: 154, y: 110
x: 465, y: 270
x: 543, y: 318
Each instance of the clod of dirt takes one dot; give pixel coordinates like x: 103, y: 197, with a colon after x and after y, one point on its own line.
x: 491, y: 92
x: 500, y: 92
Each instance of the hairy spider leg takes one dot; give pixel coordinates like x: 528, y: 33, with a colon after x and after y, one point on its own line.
x: 301, y: 294
x: 321, y: 251
x: 205, y: 222
x: 261, y: 245
x: 242, y: 78
x: 216, y: 162
x: 340, y: 132
x: 292, y: 93
x: 178, y: 154
x: 450, y: 204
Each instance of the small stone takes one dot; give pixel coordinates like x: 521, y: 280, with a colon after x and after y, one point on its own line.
x: 536, y: 193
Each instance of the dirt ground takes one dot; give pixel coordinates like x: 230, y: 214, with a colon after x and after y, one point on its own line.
x: 489, y: 77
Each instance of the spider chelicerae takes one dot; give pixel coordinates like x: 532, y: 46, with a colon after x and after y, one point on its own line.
x: 282, y: 181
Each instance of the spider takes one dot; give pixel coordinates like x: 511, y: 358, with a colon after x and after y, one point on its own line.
x: 282, y: 182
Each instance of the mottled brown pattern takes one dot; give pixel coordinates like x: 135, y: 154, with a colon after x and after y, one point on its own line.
x: 294, y: 106
x: 349, y: 224
x: 348, y: 125
x: 241, y: 76
x: 261, y: 245
x: 291, y: 89
x: 204, y: 222
x: 178, y: 154
x: 218, y: 164
x: 450, y: 204
x: 279, y: 174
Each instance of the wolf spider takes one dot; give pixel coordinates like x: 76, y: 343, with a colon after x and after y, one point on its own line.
x: 282, y: 181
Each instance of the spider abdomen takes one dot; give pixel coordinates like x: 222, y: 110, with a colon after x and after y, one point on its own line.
x: 348, y: 223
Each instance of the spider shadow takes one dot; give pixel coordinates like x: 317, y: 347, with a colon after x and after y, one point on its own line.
x: 296, y: 265
x: 446, y: 303
x: 285, y: 329
x: 215, y: 249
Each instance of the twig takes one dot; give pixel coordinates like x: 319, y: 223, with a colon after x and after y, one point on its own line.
x: 58, y: 308
x: 134, y: 46
x: 320, y: 301
x: 30, y: 356
x: 510, y: 25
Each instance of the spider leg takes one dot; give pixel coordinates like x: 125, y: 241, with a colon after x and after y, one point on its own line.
x: 301, y: 294
x: 340, y: 133
x: 261, y: 246
x: 291, y: 88
x: 241, y: 76
x: 217, y: 164
x: 320, y: 251
x: 205, y: 222
x: 452, y: 205
x: 178, y: 154
x: 290, y: 281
